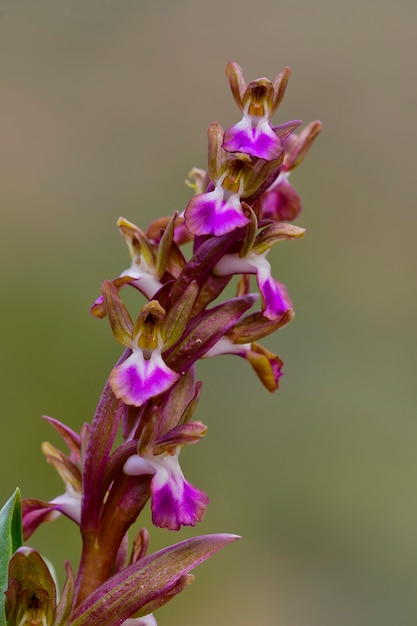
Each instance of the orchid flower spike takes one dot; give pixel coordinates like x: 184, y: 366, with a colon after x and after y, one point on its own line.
x: 241, y: 207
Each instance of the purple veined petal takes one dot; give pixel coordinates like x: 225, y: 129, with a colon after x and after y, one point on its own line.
x: 36, y: 512
x: 276, y: 300
x: 175, y: 502
x: 137, y: 379
x: 213, y: 213
x: 257, y: 141
x: 276, y: 368
x: 275, y: 297
x: 281, y: 202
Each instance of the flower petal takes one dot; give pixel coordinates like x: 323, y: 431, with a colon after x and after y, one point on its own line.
x: 137, y: 465
x: 266, y: 364
x: 136, y: 380
x: 211, y: 214
x: 143, y: 278
x: 274, y: 294
x: 276, y: 301
x: 175, y: 502
x: 69, y: 503
x: 257, y: 141
x: 281, y: 202
x: 35, y: 512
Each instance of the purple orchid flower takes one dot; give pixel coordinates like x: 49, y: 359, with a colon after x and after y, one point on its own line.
x: 266, y: 364
x: 216, y: 212
x: 258, y: 101
x: 143, y: 273
x: 276, y: 301
x: 175, y: 502
x: 274, y: 294
x: 280, y: 202
x: 144, y: 374
x: 34, y: 511
x: 231, y: 178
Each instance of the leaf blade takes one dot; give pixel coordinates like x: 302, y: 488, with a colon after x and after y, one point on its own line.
x: 11, y: 538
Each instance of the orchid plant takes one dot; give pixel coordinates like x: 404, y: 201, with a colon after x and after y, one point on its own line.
x: 242, y: 205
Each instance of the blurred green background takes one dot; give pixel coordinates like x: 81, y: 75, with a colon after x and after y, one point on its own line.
x: 104, y: 110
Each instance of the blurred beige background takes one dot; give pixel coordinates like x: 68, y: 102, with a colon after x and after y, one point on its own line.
x: 104, y: 110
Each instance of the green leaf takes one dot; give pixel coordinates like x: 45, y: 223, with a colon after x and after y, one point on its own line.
x: 11, y: 538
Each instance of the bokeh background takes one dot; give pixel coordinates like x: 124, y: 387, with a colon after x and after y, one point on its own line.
x: 104, y: 110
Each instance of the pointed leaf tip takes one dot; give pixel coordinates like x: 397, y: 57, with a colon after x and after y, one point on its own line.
x: 11, y: 538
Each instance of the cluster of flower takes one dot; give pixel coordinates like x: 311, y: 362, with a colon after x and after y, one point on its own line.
x: 243, y: 205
